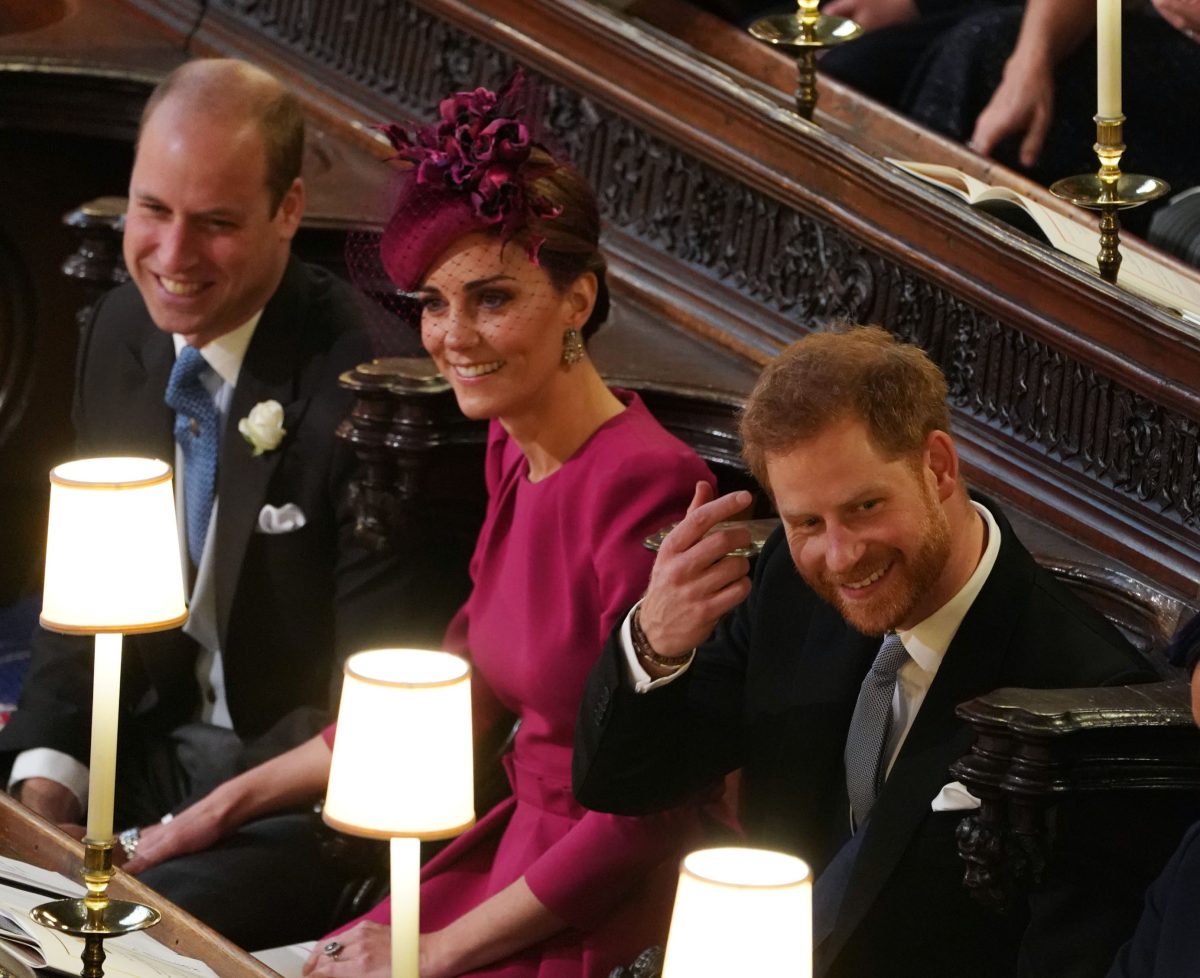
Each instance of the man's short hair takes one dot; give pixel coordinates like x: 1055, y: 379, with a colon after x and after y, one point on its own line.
x: 276, y: 110
x: 849, y: 372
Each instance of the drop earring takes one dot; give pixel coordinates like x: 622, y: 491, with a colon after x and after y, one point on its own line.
x: 572, y: 351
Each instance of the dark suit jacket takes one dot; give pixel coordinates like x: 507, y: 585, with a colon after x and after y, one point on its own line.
x: 1166, y: 943
x: 773, y: 692
x: 289, y: 606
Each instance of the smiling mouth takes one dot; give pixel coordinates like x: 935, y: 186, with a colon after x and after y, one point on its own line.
x: 175, y: 287
x: 866, y: 581
x: 470, y: 370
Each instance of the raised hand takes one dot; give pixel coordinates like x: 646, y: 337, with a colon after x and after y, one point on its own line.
x: 693, y: 582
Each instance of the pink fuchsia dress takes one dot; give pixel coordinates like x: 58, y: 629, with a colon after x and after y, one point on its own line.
x: 557, y: 563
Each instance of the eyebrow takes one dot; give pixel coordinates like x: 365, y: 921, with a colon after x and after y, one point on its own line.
x: 473, y: 286
x: 223, y: 213
x: 874, y: 491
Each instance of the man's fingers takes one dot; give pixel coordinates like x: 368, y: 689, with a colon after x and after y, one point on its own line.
x: 703, y: 518
x: 704, y: 494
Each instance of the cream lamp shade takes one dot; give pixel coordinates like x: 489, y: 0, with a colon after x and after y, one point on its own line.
x: 112, y: 548
x: 741, y: 911
x: 402, y: 754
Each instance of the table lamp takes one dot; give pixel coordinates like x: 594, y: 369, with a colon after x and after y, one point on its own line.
x: 113, y: 566
x: 402, y: 768
x: 741, y: 911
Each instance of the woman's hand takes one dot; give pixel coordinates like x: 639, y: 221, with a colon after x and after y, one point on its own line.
x: 194, y: 829
x: 366, y: 952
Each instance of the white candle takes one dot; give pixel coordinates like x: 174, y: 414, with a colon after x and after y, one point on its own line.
x: 102, y: 776
x: 1108, y: 58
x: 406, y: 916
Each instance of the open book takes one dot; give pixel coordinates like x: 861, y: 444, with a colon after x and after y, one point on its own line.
x: 26, y: 946
x: 1080, y: 239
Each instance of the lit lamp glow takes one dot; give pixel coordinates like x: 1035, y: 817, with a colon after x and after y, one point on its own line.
x: 741, y: 911
x: 112, y: 567
x: 402, y: 767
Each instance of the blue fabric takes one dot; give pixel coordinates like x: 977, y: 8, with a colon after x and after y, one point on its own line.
x: 16, y: 629
x: 869, y: 726
x: 198, y: 435
x: 1166, y: 943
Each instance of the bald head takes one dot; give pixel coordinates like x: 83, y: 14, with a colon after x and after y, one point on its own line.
x: 237, y: 94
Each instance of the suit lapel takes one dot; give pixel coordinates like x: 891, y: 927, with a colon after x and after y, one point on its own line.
x: 973, y: 665
x: 269, y: 372
x: 152, y: 427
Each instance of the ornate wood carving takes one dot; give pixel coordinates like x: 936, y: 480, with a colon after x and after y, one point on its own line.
x: 1050, y: 414
x: 1034, y: 748
x: 97, y: 261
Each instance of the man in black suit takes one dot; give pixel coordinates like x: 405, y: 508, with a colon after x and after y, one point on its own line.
x: 844, y: 756
x: 281, y: 593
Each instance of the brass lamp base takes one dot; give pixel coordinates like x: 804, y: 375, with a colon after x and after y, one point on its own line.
x: 802, y: 35
x: 1109, y: 191
x: 95, y: 917
x: 115, y: 918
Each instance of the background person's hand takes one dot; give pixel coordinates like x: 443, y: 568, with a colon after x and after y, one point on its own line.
x: 1183, y: 15
x: 693, y: 583
x: 1022, y: 105
x: 873, y: 14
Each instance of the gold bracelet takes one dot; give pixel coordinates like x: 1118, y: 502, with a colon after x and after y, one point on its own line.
x: 644, y: 650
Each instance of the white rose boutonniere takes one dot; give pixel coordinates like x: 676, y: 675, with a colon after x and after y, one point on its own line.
x: 263, y: 426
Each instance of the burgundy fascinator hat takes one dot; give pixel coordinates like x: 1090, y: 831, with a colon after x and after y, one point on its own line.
x: 470, y: 171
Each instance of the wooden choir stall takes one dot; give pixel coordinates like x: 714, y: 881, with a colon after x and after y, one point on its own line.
x: 732, y: 226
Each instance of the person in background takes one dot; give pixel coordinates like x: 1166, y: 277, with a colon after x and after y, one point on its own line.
x: 222, y: 355
x: 497, y: 240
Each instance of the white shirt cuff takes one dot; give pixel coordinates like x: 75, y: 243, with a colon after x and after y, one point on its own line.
x: 45, y: 762
x: 637, y: 677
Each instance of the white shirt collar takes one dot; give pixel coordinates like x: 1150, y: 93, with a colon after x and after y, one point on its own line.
x: 226, y: 353
x: 928, y: 640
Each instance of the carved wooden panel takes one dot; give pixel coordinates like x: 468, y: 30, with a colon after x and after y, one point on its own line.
x: 1036, y: 405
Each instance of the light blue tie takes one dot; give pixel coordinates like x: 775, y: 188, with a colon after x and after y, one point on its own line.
x: 869, y: 727
x: 198, y: 435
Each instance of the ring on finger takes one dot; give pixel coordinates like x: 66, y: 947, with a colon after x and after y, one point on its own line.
x: 332, y: 949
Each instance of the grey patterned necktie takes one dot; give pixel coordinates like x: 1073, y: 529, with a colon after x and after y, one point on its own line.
x: 869, y: 727
x: 197, y: 433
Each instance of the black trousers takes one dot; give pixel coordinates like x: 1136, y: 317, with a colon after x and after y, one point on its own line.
x: 277, y: 880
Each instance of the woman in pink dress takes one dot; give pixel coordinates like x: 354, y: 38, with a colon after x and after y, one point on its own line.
x: 498, y: 242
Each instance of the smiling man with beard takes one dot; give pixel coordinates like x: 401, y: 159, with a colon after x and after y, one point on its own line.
x: 887, y: 597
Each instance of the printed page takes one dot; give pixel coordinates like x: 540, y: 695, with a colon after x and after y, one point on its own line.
x: 288, y: 960
x: 135, y: 955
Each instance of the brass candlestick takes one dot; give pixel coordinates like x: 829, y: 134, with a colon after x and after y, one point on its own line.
x: 1109, y: 191
x: 95, y: 917
x: 803, y: 34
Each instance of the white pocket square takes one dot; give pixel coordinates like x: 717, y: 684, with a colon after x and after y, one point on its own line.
x: 954, y: 797
x: 281, y: 519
